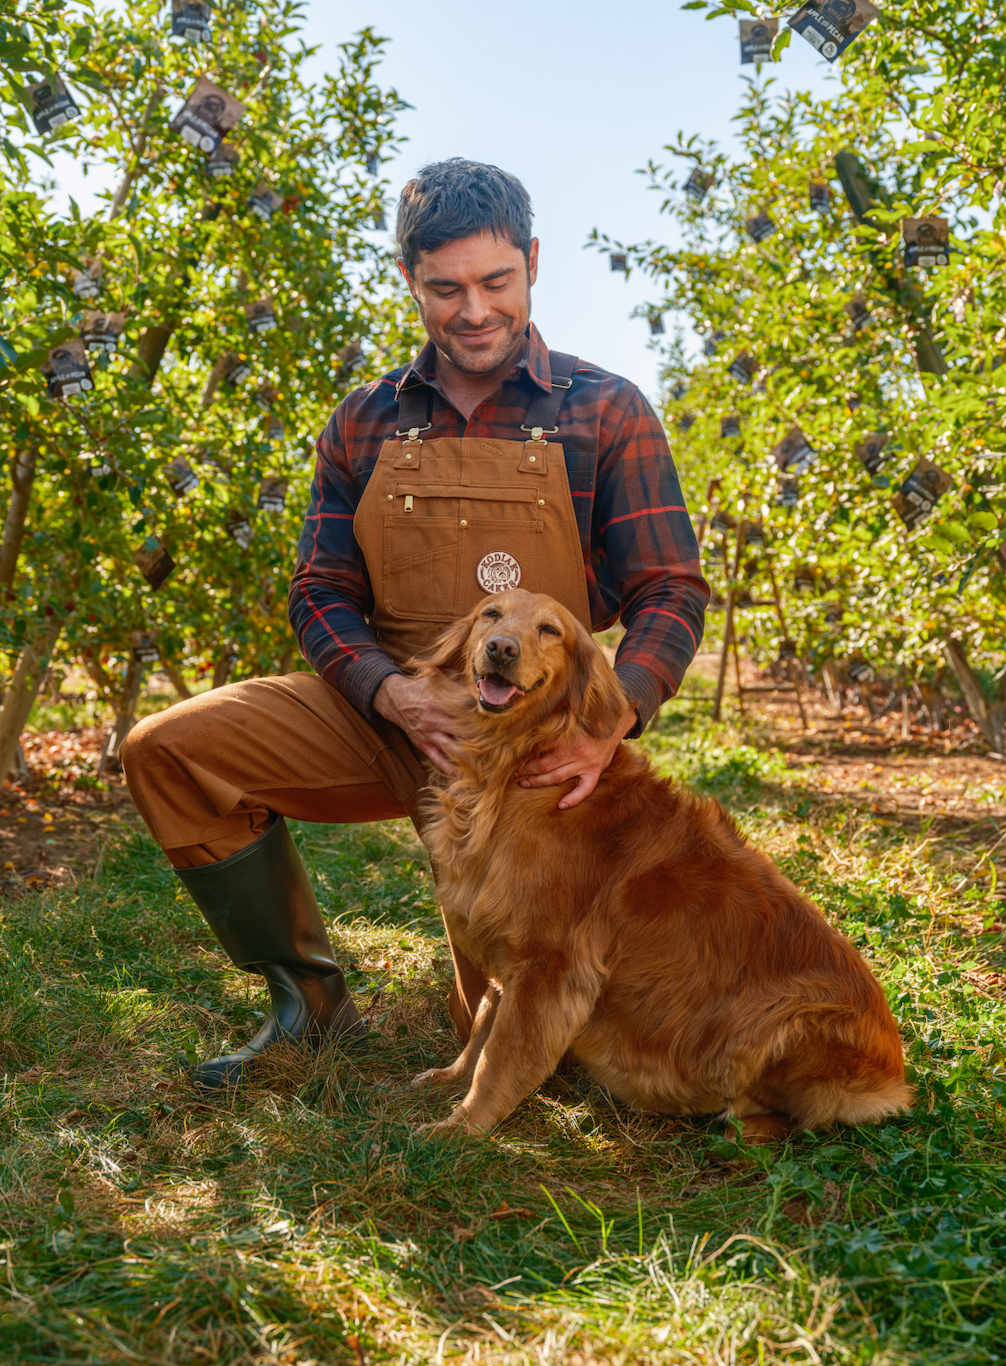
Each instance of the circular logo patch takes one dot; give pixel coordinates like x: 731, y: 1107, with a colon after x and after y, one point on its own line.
x: 497, y: 571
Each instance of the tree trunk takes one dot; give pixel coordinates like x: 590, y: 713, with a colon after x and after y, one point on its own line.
x: 139, y: 147
x: 150, y: 349
x: 125, y: 715
x: 20, y: 696
x: 223, y: 668
x: 177, y: 681
x: 22, y: 478
x: 989, y: 716
x: 832, y: 686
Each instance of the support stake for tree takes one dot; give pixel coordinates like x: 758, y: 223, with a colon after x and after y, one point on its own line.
x: 791, y: 665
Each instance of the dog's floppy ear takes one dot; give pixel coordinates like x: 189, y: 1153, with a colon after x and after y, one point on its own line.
x: 447, y: 654
x: 595, y: 694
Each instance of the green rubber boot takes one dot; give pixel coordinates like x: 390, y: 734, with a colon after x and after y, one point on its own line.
x: 260, y: 905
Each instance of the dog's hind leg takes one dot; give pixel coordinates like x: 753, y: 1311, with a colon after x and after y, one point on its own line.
x: 463, y: 1068
x: 537, y: 1019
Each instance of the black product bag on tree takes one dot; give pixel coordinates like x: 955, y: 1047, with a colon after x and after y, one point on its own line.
x: 190, y: 19
x: 927, y: 241
x: 207, y: 115
x: 757, y: 37
x: 52, y: 107
x: 67, y: 371
x: 920, y: 492
x: 101, y: 331
x: 831, y: 25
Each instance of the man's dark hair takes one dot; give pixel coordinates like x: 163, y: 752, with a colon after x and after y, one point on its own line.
x: 449, y: 200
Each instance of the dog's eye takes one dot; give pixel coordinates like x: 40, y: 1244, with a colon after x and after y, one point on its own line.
x: 491, y: 613
x: 548, y: 630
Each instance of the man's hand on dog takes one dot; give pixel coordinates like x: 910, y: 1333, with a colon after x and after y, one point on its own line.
x: 412, y: 704
x: 585, y: 761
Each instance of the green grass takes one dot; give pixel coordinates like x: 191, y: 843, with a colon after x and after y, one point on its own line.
x: 305, y: 1222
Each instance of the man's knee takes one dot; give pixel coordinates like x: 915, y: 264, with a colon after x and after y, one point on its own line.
x: 150, y: 740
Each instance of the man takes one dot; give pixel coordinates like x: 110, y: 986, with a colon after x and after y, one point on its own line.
x: 486, y: 463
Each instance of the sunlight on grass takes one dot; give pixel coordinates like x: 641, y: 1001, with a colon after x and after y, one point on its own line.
x: 304, y: 1222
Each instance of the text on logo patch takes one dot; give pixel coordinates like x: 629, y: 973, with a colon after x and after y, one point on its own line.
x: 497, y: 571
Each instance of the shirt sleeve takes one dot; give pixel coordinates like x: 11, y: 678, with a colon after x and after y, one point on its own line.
x: 644, y: 546
x: 330, y: 594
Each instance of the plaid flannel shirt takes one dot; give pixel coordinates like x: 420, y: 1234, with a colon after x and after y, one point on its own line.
x: 639, y: 549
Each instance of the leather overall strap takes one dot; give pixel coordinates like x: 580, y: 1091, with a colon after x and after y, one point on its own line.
x: 415, y: 401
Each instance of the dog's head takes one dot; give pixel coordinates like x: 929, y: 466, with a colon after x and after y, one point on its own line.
x: 523, y: 656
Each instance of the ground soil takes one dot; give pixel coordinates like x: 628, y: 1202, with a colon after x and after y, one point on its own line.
x: 56, y: 819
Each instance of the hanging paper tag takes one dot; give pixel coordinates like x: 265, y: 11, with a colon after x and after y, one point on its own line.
x: 236, y: 369
x: 760, y: 226
x: 207, y: 114
x: 678, y: 390
x: 153, y: 561
x: 831, y: 25
x: 787, y: 650
x: 223, y: 161
x: 820, y: 196
x: 619, y: 260
x: 730, y: 426
x: 144, y: 647
x: 757, y: 37
x: 51, y: 106
x: 860, y: 672
x: 698, y: 185
x: 101, y: 331
x: 857, y: 311
x: 656, y: 321
x: 787, y: 491
x: 261, y: 315
x: 190, y: 19
x: 266, y: 395
x: 743, y: 367
x: 754, y: 534
x: 927, y: 241
x: 273, y: 429
x: 181, y: 476
x: 803, y: 579
x: 794, y: 454
x: 686, y: 421
x: 711, y: 344
x: 239, y: 529
x: 265, y: 201
x: 67, y: 370
x: 272, y: 494
x: 923, y: 488
x: 86, y: 283
x: 870, y: 452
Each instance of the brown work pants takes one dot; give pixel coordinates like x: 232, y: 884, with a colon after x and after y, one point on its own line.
x: 207, y: 774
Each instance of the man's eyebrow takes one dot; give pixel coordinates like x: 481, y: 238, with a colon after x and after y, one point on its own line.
x: 483, y: 279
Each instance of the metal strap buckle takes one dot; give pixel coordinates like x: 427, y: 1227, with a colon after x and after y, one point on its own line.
x: 561, y: 383
x: 413, y: 433
x: 538, y: 432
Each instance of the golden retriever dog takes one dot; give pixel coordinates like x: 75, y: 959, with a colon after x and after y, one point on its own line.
x: 636, y: 930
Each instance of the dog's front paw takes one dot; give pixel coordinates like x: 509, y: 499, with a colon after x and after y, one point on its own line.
x: 454, y: 1126
x: 435, y: 1076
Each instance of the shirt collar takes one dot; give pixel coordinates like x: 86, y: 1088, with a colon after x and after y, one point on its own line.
x: 534, y: 361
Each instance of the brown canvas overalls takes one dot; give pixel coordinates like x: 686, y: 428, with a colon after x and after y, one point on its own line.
x: 441, y: 523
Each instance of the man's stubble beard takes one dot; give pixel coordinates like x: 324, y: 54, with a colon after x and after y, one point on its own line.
x: 515, y: 335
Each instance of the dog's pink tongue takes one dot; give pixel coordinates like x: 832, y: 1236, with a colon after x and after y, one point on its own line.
x: 496, y: 692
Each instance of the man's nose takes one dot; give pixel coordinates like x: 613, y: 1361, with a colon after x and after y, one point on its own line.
x: 503, y: 650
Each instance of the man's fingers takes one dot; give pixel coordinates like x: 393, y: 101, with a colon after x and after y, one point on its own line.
x: 546, y: 762
x: 553, y: 777
x: 580, y: 793
x: 440, y: 761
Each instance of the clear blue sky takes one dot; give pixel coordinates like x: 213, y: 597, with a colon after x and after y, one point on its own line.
x: 570, y: 98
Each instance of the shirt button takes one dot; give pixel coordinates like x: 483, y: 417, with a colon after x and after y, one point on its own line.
x: 463, y: 522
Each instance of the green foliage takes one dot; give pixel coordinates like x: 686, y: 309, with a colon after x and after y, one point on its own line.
x: 182, y: 257
x: 849, y: 342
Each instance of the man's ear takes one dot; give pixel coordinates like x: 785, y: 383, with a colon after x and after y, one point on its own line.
x: 595, y: 694
x: 448, y: 654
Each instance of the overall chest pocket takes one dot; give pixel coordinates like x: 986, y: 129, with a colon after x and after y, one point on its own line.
x: 442, y: 557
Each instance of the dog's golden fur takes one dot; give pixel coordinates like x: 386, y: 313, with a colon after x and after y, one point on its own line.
x: 636, y: 930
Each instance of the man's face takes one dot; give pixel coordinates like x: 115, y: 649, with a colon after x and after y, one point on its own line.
x: 474, y: 297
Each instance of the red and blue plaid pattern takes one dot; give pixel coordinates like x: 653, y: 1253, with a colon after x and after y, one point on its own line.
x: 639, y: 548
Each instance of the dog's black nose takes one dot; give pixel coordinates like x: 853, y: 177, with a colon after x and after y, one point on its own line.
x: 503, y: 649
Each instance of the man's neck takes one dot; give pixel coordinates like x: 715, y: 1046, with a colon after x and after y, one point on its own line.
x: 465, y: 390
